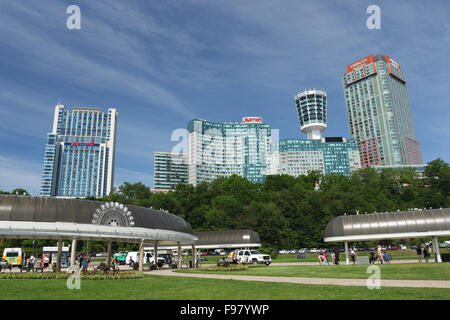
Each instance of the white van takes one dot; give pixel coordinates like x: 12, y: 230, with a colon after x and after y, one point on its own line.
x: 148, y: 258
x: 14, y: 256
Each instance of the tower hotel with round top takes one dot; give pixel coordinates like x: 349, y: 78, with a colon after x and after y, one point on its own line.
x: 312, y: 112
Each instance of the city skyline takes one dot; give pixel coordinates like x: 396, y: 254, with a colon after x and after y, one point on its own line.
x: 161, y: 69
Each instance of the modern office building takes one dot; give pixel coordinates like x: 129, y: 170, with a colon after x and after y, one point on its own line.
x: 379, y: 112
x: 79, y: 153
x: 169, y: 169
x: 312, y: 112
x: 223, y: 149
x: 332, y: 155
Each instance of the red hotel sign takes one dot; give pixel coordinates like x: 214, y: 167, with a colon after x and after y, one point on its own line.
x: 252, y: 119
x: 360, y: 63
x: 84, y: 144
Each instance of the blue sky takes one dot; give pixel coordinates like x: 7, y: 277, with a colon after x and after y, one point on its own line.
x: 162, y: 63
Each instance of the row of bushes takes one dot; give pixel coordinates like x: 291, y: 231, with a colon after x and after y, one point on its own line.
x: 62, y: 275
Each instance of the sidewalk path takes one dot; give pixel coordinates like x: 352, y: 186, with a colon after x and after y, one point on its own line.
x: 320, y: 281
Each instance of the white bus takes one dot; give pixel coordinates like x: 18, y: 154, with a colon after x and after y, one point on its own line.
x: 14, y: 256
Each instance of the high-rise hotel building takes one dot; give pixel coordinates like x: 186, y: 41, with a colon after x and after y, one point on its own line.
x: 223, y: 149
x: 379, y: 113
x: 169, y: 169
x: 79, y: 153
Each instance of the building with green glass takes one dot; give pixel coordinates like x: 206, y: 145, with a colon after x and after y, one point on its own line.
x: 379, y: 113
x: 223, y: 149
x: 169, y: 169
x: 331, y: 155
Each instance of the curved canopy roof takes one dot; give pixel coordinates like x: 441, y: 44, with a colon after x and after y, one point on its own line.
x: 24, y: 216
x: 225, y: 239
x: 401, y: 224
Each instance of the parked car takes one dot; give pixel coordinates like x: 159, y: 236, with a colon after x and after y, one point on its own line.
x: 443, y: 245
x: 394, y: 247
x: 414, y: 247
x: 403, y: 247
x: 204, y: 253
x: 314, y: 250
x: 148, y: 258
x: 252, y: 256
x: 293, y: 251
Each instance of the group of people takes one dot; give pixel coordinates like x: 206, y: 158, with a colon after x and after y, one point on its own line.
x: 323, y: 257
x: 380, y: 257
x: 425, y: 250
x: 84, y: 261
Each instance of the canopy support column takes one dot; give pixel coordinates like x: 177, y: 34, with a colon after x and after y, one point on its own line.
x: 155, y: 254
x: 347, y: 261
x: 194, y: 256
x: 437, y: 251
x: 73, y: 253
x: 141, y: 256
x: 179, y: 256
x: 108, y: 257
x: 58, y: 257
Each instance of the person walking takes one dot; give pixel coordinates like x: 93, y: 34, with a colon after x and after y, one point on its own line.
x: 426, y: 254
x: 353, y: 255
x: 379, y: 254
x: 31, y: 263
x: 419, y: 253
x: 336, y: 256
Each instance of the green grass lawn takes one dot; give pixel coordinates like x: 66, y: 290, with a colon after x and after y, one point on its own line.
x: 423, y: 271
x: 173, y: 288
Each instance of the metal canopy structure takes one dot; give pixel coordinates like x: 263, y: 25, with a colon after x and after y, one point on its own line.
x: 24, y: 217
x: 390, y: 225
x: 225, y: 239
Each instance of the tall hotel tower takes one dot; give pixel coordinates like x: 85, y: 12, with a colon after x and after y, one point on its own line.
x: 379, y: 113
x: 79, y: 154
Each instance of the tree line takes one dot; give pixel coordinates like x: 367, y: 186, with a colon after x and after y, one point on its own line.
x: 291, y: 212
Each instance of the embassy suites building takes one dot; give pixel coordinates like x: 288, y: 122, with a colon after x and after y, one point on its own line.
x: 79, y: 153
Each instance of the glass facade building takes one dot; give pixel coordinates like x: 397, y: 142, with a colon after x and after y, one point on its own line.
x: 379, y: 112
x: 328, y: 155
x: 79, y: 153
x: 169, y: 169
x: 223, y: 149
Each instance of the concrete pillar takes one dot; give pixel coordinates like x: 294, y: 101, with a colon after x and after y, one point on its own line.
x: 180, y: 262
x: 194, y: 256
x: 73, y: 254
x: 108, y: 257
x: 437, y: 251
x: 58, y: 257
x: 141, y: 256
x: 347, y: 261
x: 155, y: 253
